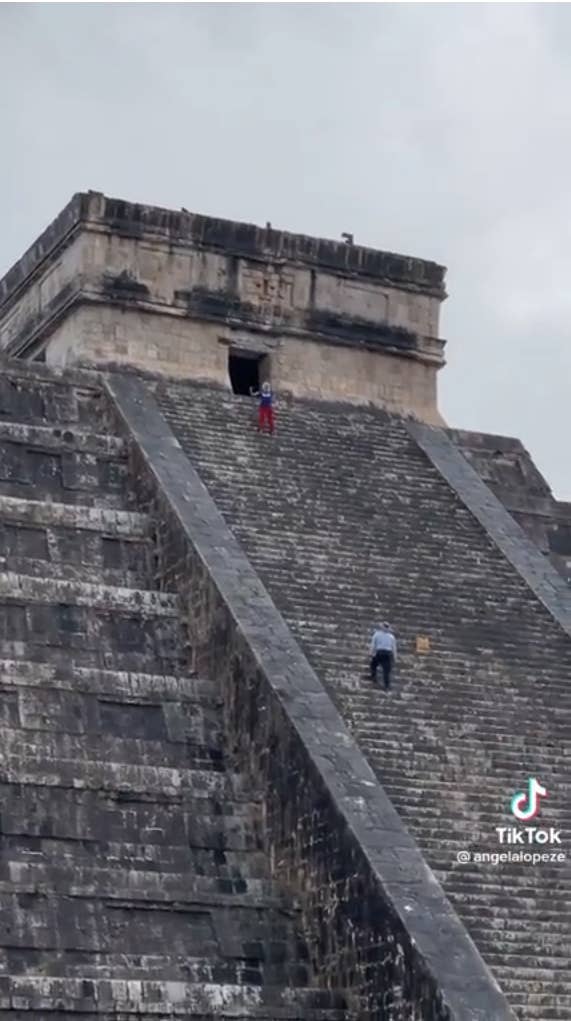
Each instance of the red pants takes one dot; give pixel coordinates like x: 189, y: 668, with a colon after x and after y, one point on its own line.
x: 266, y: 414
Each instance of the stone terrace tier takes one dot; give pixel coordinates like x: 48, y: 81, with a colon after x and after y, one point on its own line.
x: 132, y: 880
x: 507, y: 468
x: 348, y: 522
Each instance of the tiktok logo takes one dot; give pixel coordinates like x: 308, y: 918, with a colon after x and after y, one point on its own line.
x: 525, y: 804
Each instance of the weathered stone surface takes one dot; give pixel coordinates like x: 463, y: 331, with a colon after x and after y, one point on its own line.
x: 35, y: 395
x: 196, y: 820
x: 125, y: 832
x: 513, y: 542
x: 132, y: 877
x: 113, y: 683
x: 116, y: 283
x: 82, y: 544
x: 347, y: 520
x: 507, y: 468
x: 376, y: 916
x: 74, y: 467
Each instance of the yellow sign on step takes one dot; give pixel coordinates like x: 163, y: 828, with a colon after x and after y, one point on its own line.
x: 422, y: 643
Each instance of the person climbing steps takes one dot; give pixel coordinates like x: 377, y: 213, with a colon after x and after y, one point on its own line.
x: 383, y: 653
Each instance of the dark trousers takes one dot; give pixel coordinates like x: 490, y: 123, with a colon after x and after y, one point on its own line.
x: 384, y: 660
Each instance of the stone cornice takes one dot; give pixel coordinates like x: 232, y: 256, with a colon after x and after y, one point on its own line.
x: 93, y: 210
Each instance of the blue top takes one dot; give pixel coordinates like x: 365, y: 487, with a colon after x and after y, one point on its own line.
x: 266, y: 399
x: 383, y: 641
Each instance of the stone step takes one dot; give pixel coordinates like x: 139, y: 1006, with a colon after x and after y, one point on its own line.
x: 436, y: 831
x: 559, y: 1004
x: 473, y: 675
x: 532, y: 761
x: 214, y: 851
x: 256, y: 969
x: 418, y: 697
x: 96, y: 625
x: 414, y: 733
x: 223, y: 819
x: 75, y: 543
x: 494, y: 805
x: 117, y: 524
x: 41, y: 922
x: 546, y: 875
x: 437, y: 844
x: 459, y: 752
x: 151, y: 648
x: 115, y: 685
x: 450, y: 736
x: 473, y: 678
x: 116, y: 999
x: 420, y: 807
x: 426, y: 680
x: 39, y: 396
x: 23, y: 589
x: 413, y: 609
x: 63, y: 465
x: 116, y: 884
x: 109, y: 494
x: 497, y: 883
x: 479, y: 762
x: 24, y: 766
x: 57, y: 753
x: 475, y: 909
x: 536, y: 978
x: 502, y: 914
x: 446, y: 782
x: 511, y: 969
x: 427, y: 702
x: 437, y: 837
x: 501, y: 936
x: 76, y: 725
x: 261, y: 1013
x: 487, y: 859
x: 55, y: 438
x: 422, y: 683
x: 67, y: 711
x: 539, y: 1014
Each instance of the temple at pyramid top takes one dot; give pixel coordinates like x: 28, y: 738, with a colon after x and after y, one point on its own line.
x: 110, y: 283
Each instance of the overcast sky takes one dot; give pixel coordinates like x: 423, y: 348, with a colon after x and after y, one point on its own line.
x: 435, y: 130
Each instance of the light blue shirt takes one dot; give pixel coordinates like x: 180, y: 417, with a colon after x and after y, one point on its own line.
x: 384, y: 641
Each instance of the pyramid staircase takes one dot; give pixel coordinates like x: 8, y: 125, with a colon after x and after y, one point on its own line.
x: 346, y: 520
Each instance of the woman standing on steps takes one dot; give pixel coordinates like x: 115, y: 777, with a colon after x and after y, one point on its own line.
x: 265, y: 407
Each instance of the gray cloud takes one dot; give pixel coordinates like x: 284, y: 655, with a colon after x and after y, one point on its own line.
x: 438, y: 130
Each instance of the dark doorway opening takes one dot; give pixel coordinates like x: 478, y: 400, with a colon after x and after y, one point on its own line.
x: 245, y: 370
